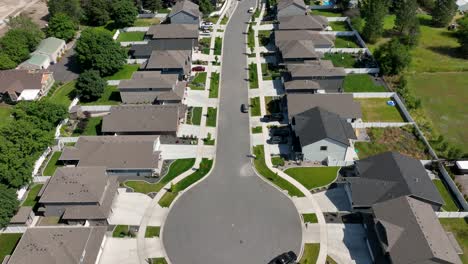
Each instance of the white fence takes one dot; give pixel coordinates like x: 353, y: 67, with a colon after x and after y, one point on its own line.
x: 40, y: 160
x: 452, y: 214
x: 59, y: 127
x: 373, y: 95
x: 343, y: 50
x: 336, y: 19
x: 136, y: 61
x: 113, y: 82
x: 135, y: 29
x: 40, y: 179
x: 339, y: 33
x: 129, y: 43
x: 379, y: 124
x: 116, y: 34
x: 64, y: 140
x: 14, y: 229
x: 95, y: 108
x: 362, y: 70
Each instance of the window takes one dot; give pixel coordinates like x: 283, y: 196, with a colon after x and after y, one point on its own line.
x: 323, y: 148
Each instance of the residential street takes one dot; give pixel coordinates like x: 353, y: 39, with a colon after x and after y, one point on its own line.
x: 233, y: 216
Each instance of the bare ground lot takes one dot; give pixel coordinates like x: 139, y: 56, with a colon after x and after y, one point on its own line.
x: 35, y: 9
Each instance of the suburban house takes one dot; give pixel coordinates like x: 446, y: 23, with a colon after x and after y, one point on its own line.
x: 143, y: 51
x: 341, y: 104
x: 152, y: 87
x: 291, y: 8
x: 144, y: 119
x: 302, y: 22
x: 48, y: 52
x: 297, y: 51
x: 330, y: 78
x: 185, y: 12
x: 23, y: 217
x: 57, y: 244
x: 79, y: 194
x: 166, y: 36
x: 389, y: 175
x: 35, y: 62
x: 408, y: 231
x: 321, y: 135
x: 320, y: 41
x: 170, y: 62
x: 305, y: 86
x: 121, y: 155
x: 17, y: 85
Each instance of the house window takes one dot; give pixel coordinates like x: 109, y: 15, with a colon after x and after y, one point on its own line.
x: 323, y: 148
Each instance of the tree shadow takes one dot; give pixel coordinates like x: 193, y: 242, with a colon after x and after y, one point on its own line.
x: 447, y: 51
x: 425, y: 21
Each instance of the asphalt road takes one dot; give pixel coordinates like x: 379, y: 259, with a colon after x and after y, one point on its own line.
x: 233, y: 216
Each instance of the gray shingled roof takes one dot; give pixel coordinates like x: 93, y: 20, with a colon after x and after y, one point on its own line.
x: 305, y: 22
x: 293, y: 49
x: 390, y: 175
x: 301, y: 85
x: 285, y: 3
x: 18, y: 80
x: 319, y: 40
x: 46, y: 245
x: 187, y: 7
x: 322, y: 68
x: 411, y: 232
x: 317, y: 123
x: 22, y: 215
x: 173, y: 31
x: 168, y: 59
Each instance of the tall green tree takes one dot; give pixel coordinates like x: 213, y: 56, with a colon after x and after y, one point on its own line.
x: 96, y: 12
x: 15, y: 45
x: 124, y: 13
x: 393, y: 57
x: 374, y: 12
x: 9, y: 204
x: 152, y: 5
x: 62, y: 26
x: 406, y: 21
x: 5, y: 62
x: 462, y: 35
x: 97, y: 50
x: 90, y: 85
x: 71, y: 8
x: 206, y: 7
x: 443, y: 12
x: 31, y: 31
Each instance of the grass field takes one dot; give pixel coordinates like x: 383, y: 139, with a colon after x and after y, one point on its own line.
x: 214, y: 85
x: 265, y: 172
x: 92, y: 127
x: 152, y: 231
x: 146, y: 22
x: 356, y: 83
x: 459, y: 227
x: 255, y: 106
x: 8, y: 243
x: 346, y: 42
x: 52, y: 164
x: 124, y: 73
x: 211, y: 117
x: 449, y: 203
x: 339, y: 26
x: 198, y: 82
x: 313, y: 177
x: 253, y: 76
x: 131, y: 36
x: 111, y: 96
x: 310, y: 254
x: 5, y: 115
x: 377, y: 110
x: 64, y: 94
x: 196, y: 115
x: 448, y: 112
x: 32, y: 195
x: 310, y: 218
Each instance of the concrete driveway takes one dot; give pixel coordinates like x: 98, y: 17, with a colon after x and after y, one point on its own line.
x: 128, y: 208
x: 347, y: 244
x: 333, y: 200
x: 119, y: 250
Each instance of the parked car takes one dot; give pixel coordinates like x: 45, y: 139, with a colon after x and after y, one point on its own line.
x: 285, y: 258
x: 280, y: 131
x: 198, y: 68
x: 273, y: 117
x: 278, y: 140
x: 244, y: 108
x: 251, y: 10
x: 207, y: 23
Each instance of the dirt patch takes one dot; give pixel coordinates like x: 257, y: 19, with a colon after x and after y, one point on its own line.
x: 38, y: 12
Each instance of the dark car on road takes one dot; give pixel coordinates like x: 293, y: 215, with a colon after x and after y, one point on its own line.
x: 244, y: 108
x: 273, y: 117
x: 285, y: 258
x: 198, y: 68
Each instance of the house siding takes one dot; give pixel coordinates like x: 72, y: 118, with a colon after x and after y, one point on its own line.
x: 184, y: 18
x: 291, y: 10
x: 335, y: 150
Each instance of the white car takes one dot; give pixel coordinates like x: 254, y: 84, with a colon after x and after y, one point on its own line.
x: 208, y: 23
x: 251, y: 10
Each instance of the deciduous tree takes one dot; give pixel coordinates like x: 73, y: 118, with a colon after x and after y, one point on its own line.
x: 96, y: 12
x: 124, y: 13
x: 72, y: 8
x: 374, y: 12
x: 9, y: 204
x: 152, y: 5
x: 90, y: 85
x: 62, y: 26
x: 393, y: 57
x: 443, y: 12
x: 462, y: 35
x: 5, y: 62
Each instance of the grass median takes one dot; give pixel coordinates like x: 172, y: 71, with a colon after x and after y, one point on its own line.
x: 255, y: 106
x: 211, y: 117
x: 253, y: 76
x: 214, y: 85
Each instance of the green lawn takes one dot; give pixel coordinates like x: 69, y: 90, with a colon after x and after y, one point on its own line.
x: 310, y: 218
x: 257, y: 130
x: 339, y: 26
x: 198, y: 82
x: 377, y: 110
x: 272, y: 104
x: 204, y: 44
x: 158, y: 261
x: 131, y: 36
x: 52, y: 164
x: 326, y: 13
x: 211, y: 117
x: 177, y: 167
x: 357, y: 83
x: 92, y: 127
x: 459, y: 227
x: 120, y: 231
x: 214, y: 85
x: 253, y: 76
x: 310, y: 254
x: 313, y: 177
x: 251, y: 38
x: 255, y: 106
x: 265, y: 172
x: 449, y: 203
x: 124, y: 73
x: 448, y: 112
x: 218, y: 47
x: 264, y: 37
x: 196, y: 115
x: 225, y: 20
x: 270, y: 71
x: 330, y: 260
x: 146, y: 22
x: 8, y: 243
x: 277, y: 161
x: 152, y: 231
x: 5, y: 114
x: 168, y: 197
x: 111, y: 96
x: 32, y: 195
x: 64, y: 94
x: 212, y: 19
x: 345, y: 60
x: 209, y: 140
x: 346, y: 42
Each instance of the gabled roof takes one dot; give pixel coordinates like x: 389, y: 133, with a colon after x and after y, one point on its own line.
x: 46, y: 245
x: 187, y: 7
x: 168, y: 59
x: 318, y: 39
x: 304, y: 22
x: 411, y: 232
x: 322, y: 68
x: 282, y: 4
x: 50, y: 45
x: 301, y: 85
x: 149, y: 79
x: 173, y: 31
x: 15, y: 81
x: 293, y: 49
x: 390, y: 175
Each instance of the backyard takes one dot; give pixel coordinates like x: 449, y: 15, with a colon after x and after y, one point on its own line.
x: 313, y: 177
x: 198, y: 82
x: 211, y: 117
x: 110, y: 96
x: 326, y: 13
x: 449, y: 203
x: 214, y: 85
x: 357, y: 83
x: 131, y: 36
x: 8, y: 243
x: 339, y: 26
x: 255, y: 106
x: 253, y: 76
x: 88, y: 127
x: 377, y: 110
x: 32, y: 195
x: 124, y: 73
x: 52, y: 164
x: 64, y: 94
x: 345, y: 60
x: 146, y: 22
x: 346, y: 42
x: 459, y: 227
x: 399, y: 139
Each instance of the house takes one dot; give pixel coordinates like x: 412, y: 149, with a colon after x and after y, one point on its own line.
x: 152, y: 87
x: 291, y: 8
x: 330, y: 78
x: 302, y: 22
x: 23, y: 217
x: 409, y: 232
x: 143, y: 51
x: 321, y: 135
x: 341, y: 104
x: 121, y: 155
x: 320, y: 41
x: 297, y: 51
x: 185, y: 12
x: 169, y: 62
x: 35, y: 62
x: 17, y: 85
x: 166, y: 36
x: 52, y: 47
x: 78, y: 194
x: 390, y: 175
x: 57, y: 244
x: 144, y: 119
x: 305, y: 86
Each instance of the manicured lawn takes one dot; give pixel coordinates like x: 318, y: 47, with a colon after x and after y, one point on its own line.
x: 225, y: 20
x: 357, y: 83
x: 32, y: 195
x: 270, y: 71
x: 124, y: 73
x: 264, y: 37
x: 272, y: 104
x: 111, y: 96
x: 120, y: 231
x: 346, y: 42
x: 339, y: 26
x: 327, y: 13
x: 168, y: 197
x: 211, y: 117
x: 313, y: 177
x: 345, y: 60
x: 449, y: 203
x: 212, y: 19
x: 158, y: 261
x: 218, y: 47
x: 92, y: 127
x: 177, y: 167
x: 198, y: 82
x: 265, y: 172
x: 52, y: 164
x: 397, y: 139
x: 8, y: 243
x: 64, y: 94
x: 251, y: 38
x: 253, y: 76
x: 205, y: 45
x: 196, y: 115
x: 209, y: 140
x: 444, y: 99
x: 277, y: 161
x: 377, y: 110
x: 131, y: 36
x: 146, y: 22
x: 257, y: 130
x: 330, y: 260
x: 5, y: 115
x: 310, y: 218
x: 310, y: 254
x: 214, y: 85
x: 255, y: 106
x: 459, y: 228
x: 152, y: 231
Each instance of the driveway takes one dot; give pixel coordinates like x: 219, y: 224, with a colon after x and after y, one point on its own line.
x: 119, y: 250
x: 179, y: 151
x: 128, y: 208
x: 347, y: 244
x: 333, y: 200
x: 67, y: 69
x: 233, y: 216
